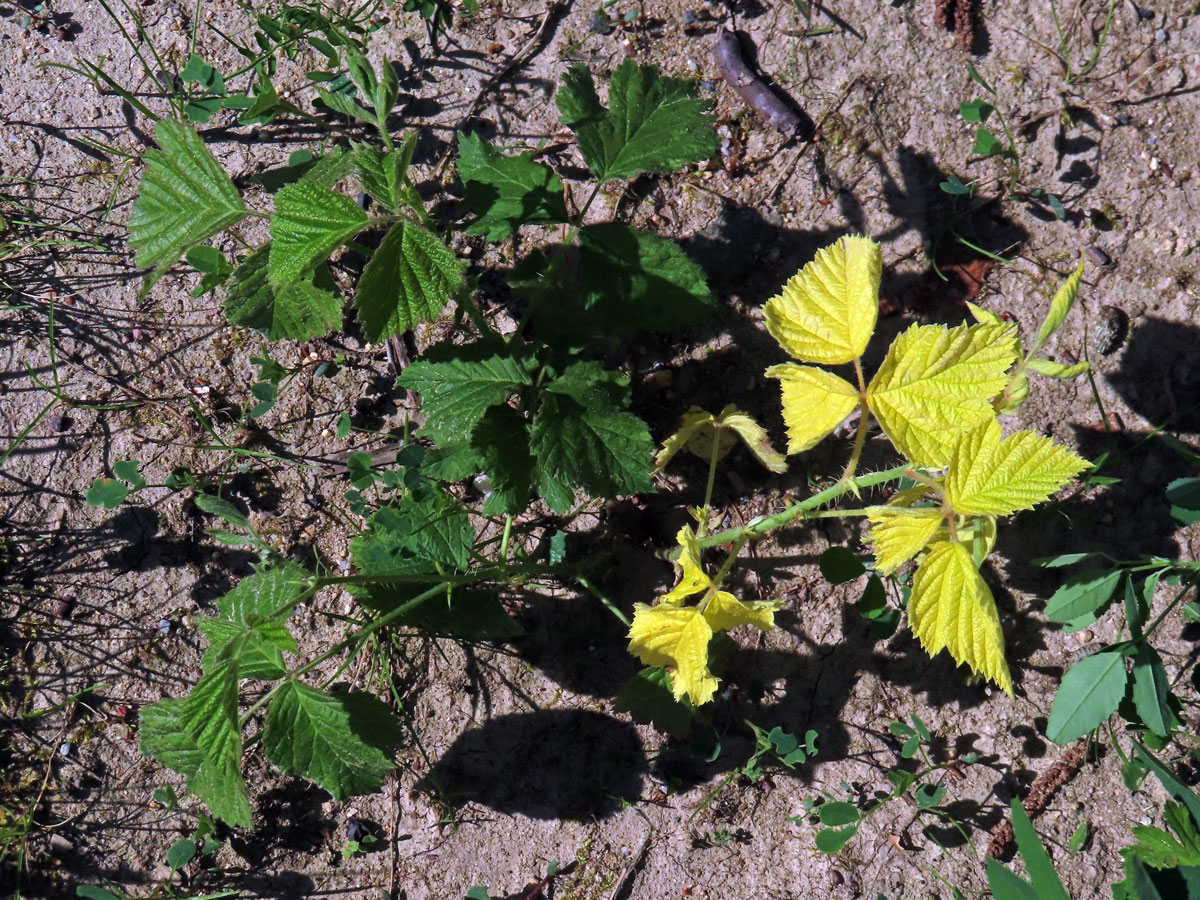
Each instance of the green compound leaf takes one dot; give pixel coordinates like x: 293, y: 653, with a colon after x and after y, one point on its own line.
x: 501, y: 438
x: 653, y: 124
x: 305, y: 309
x: 343, y: 742
x: 184, y: 198
x: 1090, y: 692
x: 410, y: 279
x: 258, y: 596
x: 310, y: 222
x: 455, y: 394
x: 506, y: 192
x: 436, y: 528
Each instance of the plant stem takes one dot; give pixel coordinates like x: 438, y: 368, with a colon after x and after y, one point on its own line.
x: 764, y: 524
x: 608, y: 604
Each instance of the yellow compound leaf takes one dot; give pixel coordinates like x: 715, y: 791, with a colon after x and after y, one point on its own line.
x: 724, y: 611
x: 952, y: 609
x: 937, y: 382
x: 754, y: 436
x: 692, y: 579
x: 827, y: 311
x: 814, y: 403
x: 693, y: 422
x: 899, y: 534
x: 676, y: 637
x: 996, y: 477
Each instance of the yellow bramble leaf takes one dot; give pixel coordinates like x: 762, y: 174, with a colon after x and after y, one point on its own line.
x: 994, y: 477
x: 692, y: 422
x: 724, y: 611
x: 675, y: 637
x: 952, y: 608
x: 983, y: 316
x: 1057, y: 370
x: 937, y: 382
x: 692, y: 579
x: 754, y: 437
x: 814, y: 403
x: 827, y: 311
x: 899, y: 534
x: 910, y: 496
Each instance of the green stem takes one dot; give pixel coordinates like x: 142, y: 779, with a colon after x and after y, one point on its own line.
x: 608, y: 604
x: 504, y: 540
x: 764, y: 524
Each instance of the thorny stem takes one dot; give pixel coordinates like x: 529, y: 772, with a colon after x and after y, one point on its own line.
x: 764, y: 524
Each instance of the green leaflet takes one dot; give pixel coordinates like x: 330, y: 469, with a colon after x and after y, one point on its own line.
x: 620, y: 280
x: 410, y: 279
x: 1090, y: 692
x: 506, y: 192
x: 1063, y: 300
x: 310, y: 222
x: 1043, y: 884
x: 255, y: 597
x: 649, y: 699
x: 455, y: 394
x: 184, y: 198
x: 343, y: 742
x: 304, y: 309
x: 652, y: 123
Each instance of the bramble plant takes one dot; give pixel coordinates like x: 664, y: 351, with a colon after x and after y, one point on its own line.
x: 935, y: 396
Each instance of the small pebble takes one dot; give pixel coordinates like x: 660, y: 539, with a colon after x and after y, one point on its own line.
x: 65, y: 749
x: 1110, y: 330
x: 164, y: 626
x: 1162, y: 36
x: 1124, y: 119
x: 1098, y: 256
x: 1085, y: 636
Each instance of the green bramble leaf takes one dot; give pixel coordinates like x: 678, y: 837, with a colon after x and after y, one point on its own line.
x: 622, y: 280
x: 648, y: 697
x: 257, y: 596
x: 310, y: 222
x: 455, y: 394
x: 1090, y: 692
x: 184, y: 198
x: 343, y: 742
x: 304, y: 309
x: 505, y: 192
x: 652, y: 123
x: 464, y: 615
x: 410, y: 279
x: 212, y: 264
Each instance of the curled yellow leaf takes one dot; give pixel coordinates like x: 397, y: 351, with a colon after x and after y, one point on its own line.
x: 692, y: 579
x: 724, y: 611
x: 827, y: 311
x: 952, y: 609
x: 677, y: 637
x: 814, y: 403
x: 753, y: 435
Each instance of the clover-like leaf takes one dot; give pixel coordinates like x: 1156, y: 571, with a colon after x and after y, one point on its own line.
x: 937, y: 382
x: 952, y: 608
x: 814, y: 403
x: 827, y: 311
x: 996, y: 477
x: 898, y: 534
x: 678, y: 637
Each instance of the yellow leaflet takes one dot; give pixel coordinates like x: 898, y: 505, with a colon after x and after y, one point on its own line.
x: 827, y: 310
x: 692, y: 422
x: 1057, y: 370
x: 676, y: 637
x: 990, y: 476
x: 754, y: 437
x: 937, y: 382
x: 967, y: 530
x: 692, y: 579
x: 1060, y: 306
x: 951, y: 608
x: 983, y: 316
x: 814, y: 403
x: 899, y: 534
x: 724, y: 611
